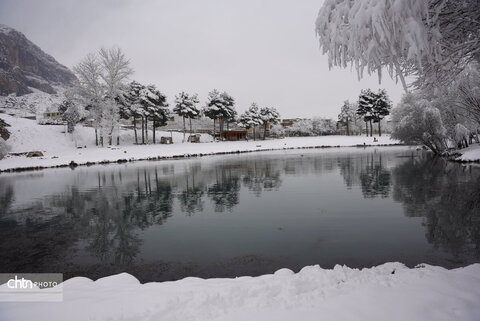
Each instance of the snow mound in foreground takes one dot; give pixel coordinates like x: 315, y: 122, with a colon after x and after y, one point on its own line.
x: 387, y: 292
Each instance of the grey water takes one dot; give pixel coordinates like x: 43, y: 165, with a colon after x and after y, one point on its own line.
x: 245, y: 214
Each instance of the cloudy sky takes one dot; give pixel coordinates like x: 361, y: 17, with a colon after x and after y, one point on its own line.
x: 262, y: 51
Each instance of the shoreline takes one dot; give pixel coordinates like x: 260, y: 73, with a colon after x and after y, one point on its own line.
x: 73, y: 164
x: 132, y: 153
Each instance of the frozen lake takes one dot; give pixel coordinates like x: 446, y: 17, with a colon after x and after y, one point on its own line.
x: 247, y: 214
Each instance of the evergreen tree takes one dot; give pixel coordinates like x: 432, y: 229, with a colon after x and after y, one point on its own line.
x: 185, y: 106
x: 220, y: 107
x: 366, y: 102
x: 381, y: 108
x: 130, y: 107
x: 70, y: 114
x: 347, y: 114
x: 251, y: 118
x: 154, y: 106
x: 270, y: 116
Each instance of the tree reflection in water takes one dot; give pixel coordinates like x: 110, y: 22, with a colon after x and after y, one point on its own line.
x: 375, y: 179
x: 447, y: 195
x: 107, y: 217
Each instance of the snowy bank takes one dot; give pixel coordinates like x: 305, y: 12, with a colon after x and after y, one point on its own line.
x: 60, y: 149
x: 387, y: 292
x: 470, y: 154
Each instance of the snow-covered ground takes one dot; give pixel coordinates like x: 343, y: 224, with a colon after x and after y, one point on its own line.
x: 470, y: 154
x: 386, y: 292
x: 60, y: 148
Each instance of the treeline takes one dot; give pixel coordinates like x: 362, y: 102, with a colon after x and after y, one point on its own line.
x: 371, y: 108
x: 104, y: 96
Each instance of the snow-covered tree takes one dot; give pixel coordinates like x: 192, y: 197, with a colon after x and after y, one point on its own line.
x: 277, y: 130
x: 70, y: 108
x: 70, y: 114
x: 270, y: 116
x: 365, y: 104
x: 130, y: 106
x: 251, y: 118
x: 416, y: 121
x: 88, y: 72
x: 115, y: 70
x: 373, y: 107
x: 154, y: 106
x: 348, y: 114
x: 221, y: 107
x: 323, y: 126
x: 186, y: 107
x: 430, y: 39
x: 381, y: 108
x: 302, y: 127
x: 102, y: 78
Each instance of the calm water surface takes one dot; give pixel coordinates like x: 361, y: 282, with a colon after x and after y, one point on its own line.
x: 247, y: 214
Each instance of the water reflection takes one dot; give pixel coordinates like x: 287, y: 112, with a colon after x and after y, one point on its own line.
x: 447, y: 196
x: 95, y: 219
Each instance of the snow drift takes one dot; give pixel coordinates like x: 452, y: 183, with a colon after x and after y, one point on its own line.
x: 387, y: 292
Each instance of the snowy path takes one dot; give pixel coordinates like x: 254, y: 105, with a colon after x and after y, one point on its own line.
x: 387, y: 292
x: 59, y: 149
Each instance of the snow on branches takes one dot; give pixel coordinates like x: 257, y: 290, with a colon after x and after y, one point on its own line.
x: 221, y: 107
x: 186, y: 107
x: 102, y: 77
x: 425, y: 38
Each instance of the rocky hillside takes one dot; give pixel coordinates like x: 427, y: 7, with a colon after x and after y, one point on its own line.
x: 24, y: 65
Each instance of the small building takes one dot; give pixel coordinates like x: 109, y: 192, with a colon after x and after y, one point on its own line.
x: 234, y: 135
x: 52, y: 115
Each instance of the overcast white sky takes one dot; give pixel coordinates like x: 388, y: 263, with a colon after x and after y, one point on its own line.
x: 262, y: 51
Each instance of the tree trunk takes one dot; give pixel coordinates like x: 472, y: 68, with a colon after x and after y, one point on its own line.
x: 190, y: 121
x: 214, y: 123
x: 146, y: 129
x: 371, y: 129
x: 96, y: 136
x: 154, y: 141
x: 348, y: 128
x: 143, y: 130
x: 366, y: 127
x: 220, y: 122
x: 110, y: 136
x: 254, y: 138
x: 264, y: 130
x: 184, y: 129
x: 379, y: 129
x: 135, y: 129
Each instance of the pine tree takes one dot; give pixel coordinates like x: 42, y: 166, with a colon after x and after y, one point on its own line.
x: 381, y: 108
x: 70, y: 114
x: 185, y: 106
x: 270, y: 116
x: 220, y: 107
x: 154, y: 106
x: 366, y: 101
x: 251, y: 118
